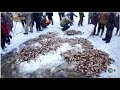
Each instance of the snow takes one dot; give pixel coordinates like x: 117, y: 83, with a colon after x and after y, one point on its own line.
x: 45, y: 61
x: 54, y: 59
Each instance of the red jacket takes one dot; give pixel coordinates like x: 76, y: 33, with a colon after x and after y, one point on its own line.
x: 5, y: 28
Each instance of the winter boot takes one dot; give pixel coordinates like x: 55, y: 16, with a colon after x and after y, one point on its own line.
x: 107, y: 41
x: 31, y: 31
x: 25, y: 33
x: 104, y: 39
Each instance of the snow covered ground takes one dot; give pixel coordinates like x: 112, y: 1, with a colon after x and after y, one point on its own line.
x: 54, y: 59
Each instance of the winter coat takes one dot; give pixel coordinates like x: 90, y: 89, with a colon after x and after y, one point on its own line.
x: 90, y: 14
x: 94, y: 18
x: 103, y: 18
x: 65, y: 21
x: 9, y: 20
x: 5, y: 28
x: 28, y: 17
x: 49, y: 15
x: 117, y: 20
x: 37, y: 16
x: 111, y: 21
x: 81, y: 15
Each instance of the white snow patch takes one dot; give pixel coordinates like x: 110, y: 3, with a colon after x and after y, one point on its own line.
x: 44, y: 61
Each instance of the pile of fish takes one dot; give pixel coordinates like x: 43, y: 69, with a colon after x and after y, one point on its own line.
x: 73, y: 32
x: 31, y: 51
x: 83, y: 42
x: 89, y: 62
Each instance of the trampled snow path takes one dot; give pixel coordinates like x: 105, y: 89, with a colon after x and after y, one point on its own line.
x: 112, y: 48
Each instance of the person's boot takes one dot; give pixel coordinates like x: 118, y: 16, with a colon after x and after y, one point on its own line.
x: 97, y: 34
x: 31, y: 31
x: 107, y: 41
x: 115, y: 33
x: 25, y: 33
x: 104, y: 39
x: 63, y: 29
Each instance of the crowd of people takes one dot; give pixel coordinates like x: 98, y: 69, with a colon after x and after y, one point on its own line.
x: 102, y: 19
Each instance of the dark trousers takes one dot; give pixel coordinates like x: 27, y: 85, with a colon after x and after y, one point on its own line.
x: 80, y: 22
x: 71, y: 17
x: 100, y: 26
x: 108, y: 35
x: 23, y: 22
x: 61, y: 16
x: 3, y: 38
x: 94, y: 31
x: 38, y: 26
x: 65, y: 27
x: 117, y: 29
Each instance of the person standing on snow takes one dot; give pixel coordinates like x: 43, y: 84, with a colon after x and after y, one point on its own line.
x: 37, y: 18
x: 94, y: 21
x: 8, y: 19
x: 110, y: 26
x: 5, y: 31
x: 81, y: 15
x: 103, y: 18
x: 50, y: 17
x: 61, y: 15
x: 29, y: 21
x: 89, y: 17
x: 64, y: 23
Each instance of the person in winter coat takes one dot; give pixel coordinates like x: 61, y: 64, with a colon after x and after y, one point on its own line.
x: 81, y: 15
x: 5, y: 31
x: 29, y: 21
x: 103, y: 18
x: 89, y: 17
x: 64, y: 23
x: 70, y: 15
x: 110, y: 26
x: 61, y: 15
x: 37, y: 18
x: 50, y: 17
x: 117, y: 24
x: 9, y: 20
x: 94, y: 21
